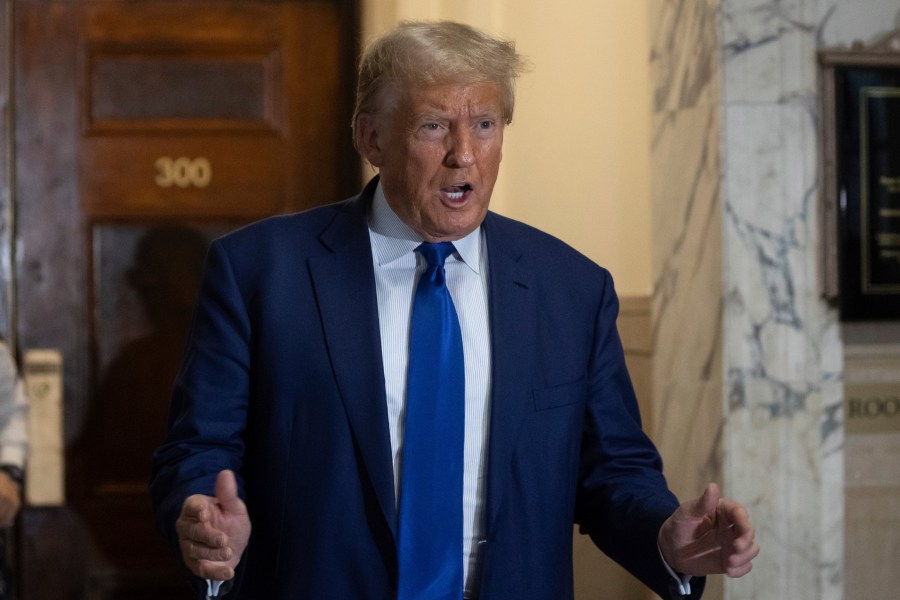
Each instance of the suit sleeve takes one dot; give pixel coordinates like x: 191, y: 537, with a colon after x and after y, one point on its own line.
x: 623, y: 497
x: 208, y: 414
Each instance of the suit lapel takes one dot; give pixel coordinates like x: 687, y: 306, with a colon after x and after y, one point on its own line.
x: 345, y: 290
x: 512, y: 310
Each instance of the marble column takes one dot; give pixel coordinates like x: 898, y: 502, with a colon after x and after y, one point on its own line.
x: 748, y: 358
x: 783, y: 442
x: 687, y: 242
x: 686, y: 305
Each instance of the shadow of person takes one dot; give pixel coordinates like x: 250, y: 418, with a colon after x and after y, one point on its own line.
x: 129, y: 412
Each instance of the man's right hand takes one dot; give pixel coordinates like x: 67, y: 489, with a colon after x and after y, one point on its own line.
x: 214, y: 531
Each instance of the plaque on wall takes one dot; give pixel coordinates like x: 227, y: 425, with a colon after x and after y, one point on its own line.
x: 861, y: 180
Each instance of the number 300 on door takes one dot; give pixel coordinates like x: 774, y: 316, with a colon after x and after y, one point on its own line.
x: 183, y: 172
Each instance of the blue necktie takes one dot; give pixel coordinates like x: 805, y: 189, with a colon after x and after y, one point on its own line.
x: 430, y: 532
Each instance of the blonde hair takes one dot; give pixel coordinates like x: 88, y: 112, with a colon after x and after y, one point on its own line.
x: 421, y: 54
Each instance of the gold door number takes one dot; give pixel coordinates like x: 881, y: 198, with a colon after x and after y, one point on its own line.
x: 183, y: 172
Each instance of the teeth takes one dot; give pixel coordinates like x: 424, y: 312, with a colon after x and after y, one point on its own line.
x: 457, y: 192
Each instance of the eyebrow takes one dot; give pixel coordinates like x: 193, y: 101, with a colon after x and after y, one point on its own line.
x: 442, y: 114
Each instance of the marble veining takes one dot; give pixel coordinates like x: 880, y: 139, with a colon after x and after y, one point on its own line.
x: 744, y: 344
x: 782, y: 389
x: 687, y: 222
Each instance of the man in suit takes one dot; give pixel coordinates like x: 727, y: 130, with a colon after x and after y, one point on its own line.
x: 296, y: 417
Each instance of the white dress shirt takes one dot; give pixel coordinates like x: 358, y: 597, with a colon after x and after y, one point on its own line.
x: 397, y: 269
x: 13, y: 412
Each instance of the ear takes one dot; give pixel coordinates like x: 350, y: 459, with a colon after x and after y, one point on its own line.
x: 367, y: 138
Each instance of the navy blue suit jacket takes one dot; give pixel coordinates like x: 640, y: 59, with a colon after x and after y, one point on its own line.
x: 282, y: 382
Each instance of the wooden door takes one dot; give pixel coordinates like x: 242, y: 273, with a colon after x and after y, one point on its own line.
x: 143, y: 129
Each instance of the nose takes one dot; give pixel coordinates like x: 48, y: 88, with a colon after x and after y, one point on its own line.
x: 459, y: 152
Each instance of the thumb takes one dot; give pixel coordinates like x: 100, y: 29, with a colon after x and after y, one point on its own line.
x: 707, y: 503
x: 226, y: 492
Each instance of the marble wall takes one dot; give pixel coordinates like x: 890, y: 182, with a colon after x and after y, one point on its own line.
x: 781, y: 343
x: 748, y: 358
x: 686, y: 305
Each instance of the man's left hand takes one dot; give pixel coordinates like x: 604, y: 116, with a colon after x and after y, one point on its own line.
x: 709, y: 535
x: 10, y: 500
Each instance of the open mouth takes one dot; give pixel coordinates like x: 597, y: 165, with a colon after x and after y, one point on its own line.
x: 457, y: 192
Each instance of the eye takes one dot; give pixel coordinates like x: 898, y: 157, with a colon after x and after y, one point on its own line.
x: 431, y: 130
x: 486, y: 124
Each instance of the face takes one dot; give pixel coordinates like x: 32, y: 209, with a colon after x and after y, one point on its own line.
x: 438, y: 151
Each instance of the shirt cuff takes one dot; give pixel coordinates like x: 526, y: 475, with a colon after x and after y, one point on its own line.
x: 683, y: 581
x: 212, y: 588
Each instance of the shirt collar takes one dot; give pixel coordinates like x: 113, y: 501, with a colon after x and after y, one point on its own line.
x: 392, y: 238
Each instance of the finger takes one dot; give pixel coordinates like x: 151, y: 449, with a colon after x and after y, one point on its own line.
x: 209, y: 569
x: 227, y: 492
x: 745, y: 554
x: 742, y: 544
x: 214, y: 570
x: 736, y: 516
x: 738, y: 566
x: 740, y: 563
x: 196, y: 508
x: 739, y: 571
x: 196, y: 551
x: 201, y: 533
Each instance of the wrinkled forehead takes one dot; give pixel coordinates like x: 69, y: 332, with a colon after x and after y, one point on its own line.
x: 478, y: 94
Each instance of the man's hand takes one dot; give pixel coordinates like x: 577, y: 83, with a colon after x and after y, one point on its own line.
x: 10, y: 499
x: 709, y: 535
x: 213, y: 531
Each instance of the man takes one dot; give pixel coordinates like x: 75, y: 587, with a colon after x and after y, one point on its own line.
x: 13, y: 437
x: 298, y: 414
x: 13, y: 454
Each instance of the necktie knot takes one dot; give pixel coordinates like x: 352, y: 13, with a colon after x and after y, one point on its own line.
x: 435, y: 253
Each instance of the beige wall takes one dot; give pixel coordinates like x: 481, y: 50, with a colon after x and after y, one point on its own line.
x: 576, y: 160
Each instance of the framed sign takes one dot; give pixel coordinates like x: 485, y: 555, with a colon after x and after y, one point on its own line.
x: 860, y: 102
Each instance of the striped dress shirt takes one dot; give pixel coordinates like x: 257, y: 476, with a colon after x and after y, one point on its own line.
x: 397, y: 268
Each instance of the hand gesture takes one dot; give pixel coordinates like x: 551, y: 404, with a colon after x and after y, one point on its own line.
x: 709, y: 535
x: 214, y: 531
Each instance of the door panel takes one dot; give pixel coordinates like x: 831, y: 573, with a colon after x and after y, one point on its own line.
x: 245, y: 90
x: 143, y: 130
x: 156, y: 176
